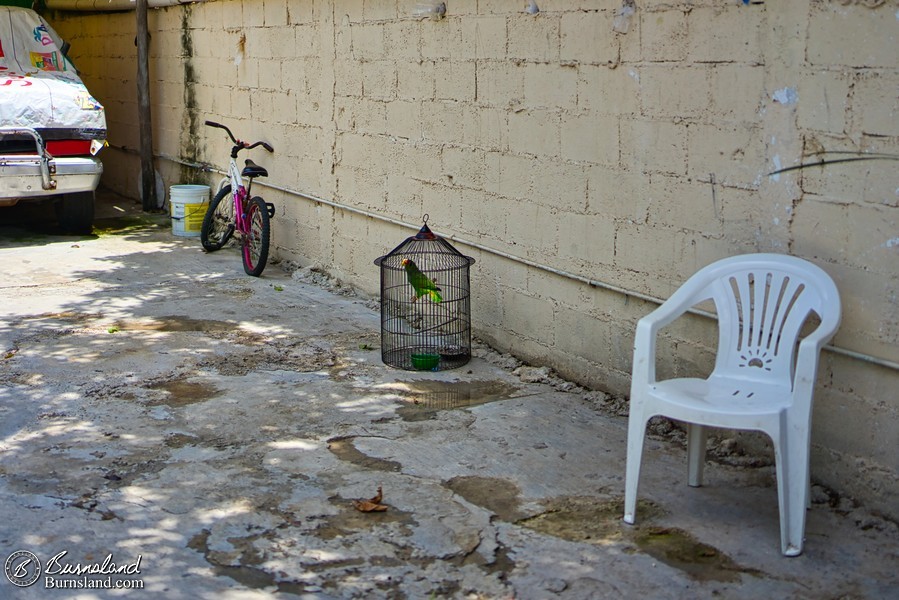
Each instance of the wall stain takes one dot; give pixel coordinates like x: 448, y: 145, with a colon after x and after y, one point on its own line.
x: 190, y: 130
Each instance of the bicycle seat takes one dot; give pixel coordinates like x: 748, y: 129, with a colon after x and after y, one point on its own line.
x: 253, y: 170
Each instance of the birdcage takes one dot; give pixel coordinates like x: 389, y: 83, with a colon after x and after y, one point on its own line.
x: 425, y: 304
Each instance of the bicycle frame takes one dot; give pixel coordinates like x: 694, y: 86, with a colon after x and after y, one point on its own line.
x: 240, y: 193
x: 250, y: 216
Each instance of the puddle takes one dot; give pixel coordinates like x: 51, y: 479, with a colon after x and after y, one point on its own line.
x: 586, y: 519
x: 182, y: 393
x: 596, y: 521
x: 180, y: 440
x: 499, y: 496
x: 251, y: 577
x: 424, y: 399
x: 677, y: 548
x: 344, y: 449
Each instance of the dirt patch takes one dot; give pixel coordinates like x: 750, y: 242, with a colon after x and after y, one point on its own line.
x: 349, y: 520
x: 587, y: 518
x: 499, y: 496
x: 172, y: 324
x: 179, y: 392
x: 343, y: 448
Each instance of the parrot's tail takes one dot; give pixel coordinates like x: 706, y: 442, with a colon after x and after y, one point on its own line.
x: 435, y: 296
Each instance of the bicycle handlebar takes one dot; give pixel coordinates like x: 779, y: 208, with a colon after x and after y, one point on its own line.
x: 238, y: 143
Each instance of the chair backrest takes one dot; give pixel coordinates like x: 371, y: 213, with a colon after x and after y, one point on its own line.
x: 763, y: 301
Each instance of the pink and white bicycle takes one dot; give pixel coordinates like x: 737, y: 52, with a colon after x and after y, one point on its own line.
x: 233, y: 210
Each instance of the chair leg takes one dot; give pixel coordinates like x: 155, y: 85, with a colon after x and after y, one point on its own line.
x: 792, y: 456
x: 636, y: 429
x: 696, y: 444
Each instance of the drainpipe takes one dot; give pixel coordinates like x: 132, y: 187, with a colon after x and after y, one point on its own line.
x: 110, y: 5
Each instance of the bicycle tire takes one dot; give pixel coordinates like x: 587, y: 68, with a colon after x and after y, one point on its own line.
x: 255, y: 242
x: 218, y: 223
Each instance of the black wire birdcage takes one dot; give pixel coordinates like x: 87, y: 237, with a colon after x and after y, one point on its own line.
x: 425, y: 304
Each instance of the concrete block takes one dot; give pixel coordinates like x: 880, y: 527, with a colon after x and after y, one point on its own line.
x: 404, y: 119
x: 875, y: 104
x: 302, y: 13
x: 742, y: 42
x: 509, y: 175
x: 548, y: 86
x: 275, y: 13
x: 823, y: 101
x: 532, y: 241
x: 590, y: 138
x: 486, y: 36
x: 586, y: 239
x: 850, y: 37
x: 248, y: 73
x: 663, y: 35
x: 368, y: 41
x: 736, y: 154
x: 654, y: 146
x: 737, y: 92
x: 348, y: 78
x: 535, y: 132
x: 617, y: 193
x: 402, y: 41
x: 416, y: 81
x: 464, y: 167
x: 608, y: 91
x: 500, y: 84
x: 678, y: 202
x: 456, y: 81
x: 674, y: 92
x: 529, y: 317
x: 560, y: 184
x: 444, y: 205
x: 587, y: 38
x: 270, y: 77
x: 379, y: 80
x: 533, y: 39
x: 379, y: 10
x: 441, y: 40
x: 584, y: 337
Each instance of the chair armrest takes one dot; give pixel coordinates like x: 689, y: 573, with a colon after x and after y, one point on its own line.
x: 643, y: 369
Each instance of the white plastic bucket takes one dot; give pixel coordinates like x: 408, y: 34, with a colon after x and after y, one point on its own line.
x: 189, y: 204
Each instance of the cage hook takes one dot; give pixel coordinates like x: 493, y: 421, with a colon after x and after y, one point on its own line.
x: 425, y: 218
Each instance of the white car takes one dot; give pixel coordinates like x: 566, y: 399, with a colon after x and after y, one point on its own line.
x: 51, y: 128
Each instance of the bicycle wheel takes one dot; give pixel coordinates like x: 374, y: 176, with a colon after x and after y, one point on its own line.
x: 218, y: 224
x: 255, y: 241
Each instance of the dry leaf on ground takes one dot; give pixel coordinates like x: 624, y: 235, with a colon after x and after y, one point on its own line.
x: 372, y: 504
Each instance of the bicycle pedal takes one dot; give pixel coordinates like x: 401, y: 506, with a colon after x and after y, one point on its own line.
x: 271, y: 209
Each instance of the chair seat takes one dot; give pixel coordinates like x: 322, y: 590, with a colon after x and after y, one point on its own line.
x: 718, y: 399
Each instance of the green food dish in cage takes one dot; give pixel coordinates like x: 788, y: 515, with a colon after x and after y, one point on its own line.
x: 425, y: 362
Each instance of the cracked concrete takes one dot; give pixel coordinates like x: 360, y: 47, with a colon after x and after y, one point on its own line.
x: 157, y: 403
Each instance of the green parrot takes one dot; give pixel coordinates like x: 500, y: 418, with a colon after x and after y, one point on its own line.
x: 421, y: 283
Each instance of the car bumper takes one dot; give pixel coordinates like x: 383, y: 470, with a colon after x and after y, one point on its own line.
x: 40, y: 175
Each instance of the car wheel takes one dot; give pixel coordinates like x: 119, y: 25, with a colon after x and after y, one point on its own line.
x: 75, y: 213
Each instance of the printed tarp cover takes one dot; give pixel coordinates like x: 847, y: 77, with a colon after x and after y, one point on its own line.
x: 39, y: 87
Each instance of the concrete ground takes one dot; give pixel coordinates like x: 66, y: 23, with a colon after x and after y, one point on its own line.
x: 162, y: 411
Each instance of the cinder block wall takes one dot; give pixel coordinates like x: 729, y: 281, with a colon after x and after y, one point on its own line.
x: 631, y: 158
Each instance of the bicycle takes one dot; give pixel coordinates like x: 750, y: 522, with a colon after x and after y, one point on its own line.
x: 233, y: 210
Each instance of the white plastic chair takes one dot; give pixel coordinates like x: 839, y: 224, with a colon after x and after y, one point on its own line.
x: 760, y: 380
